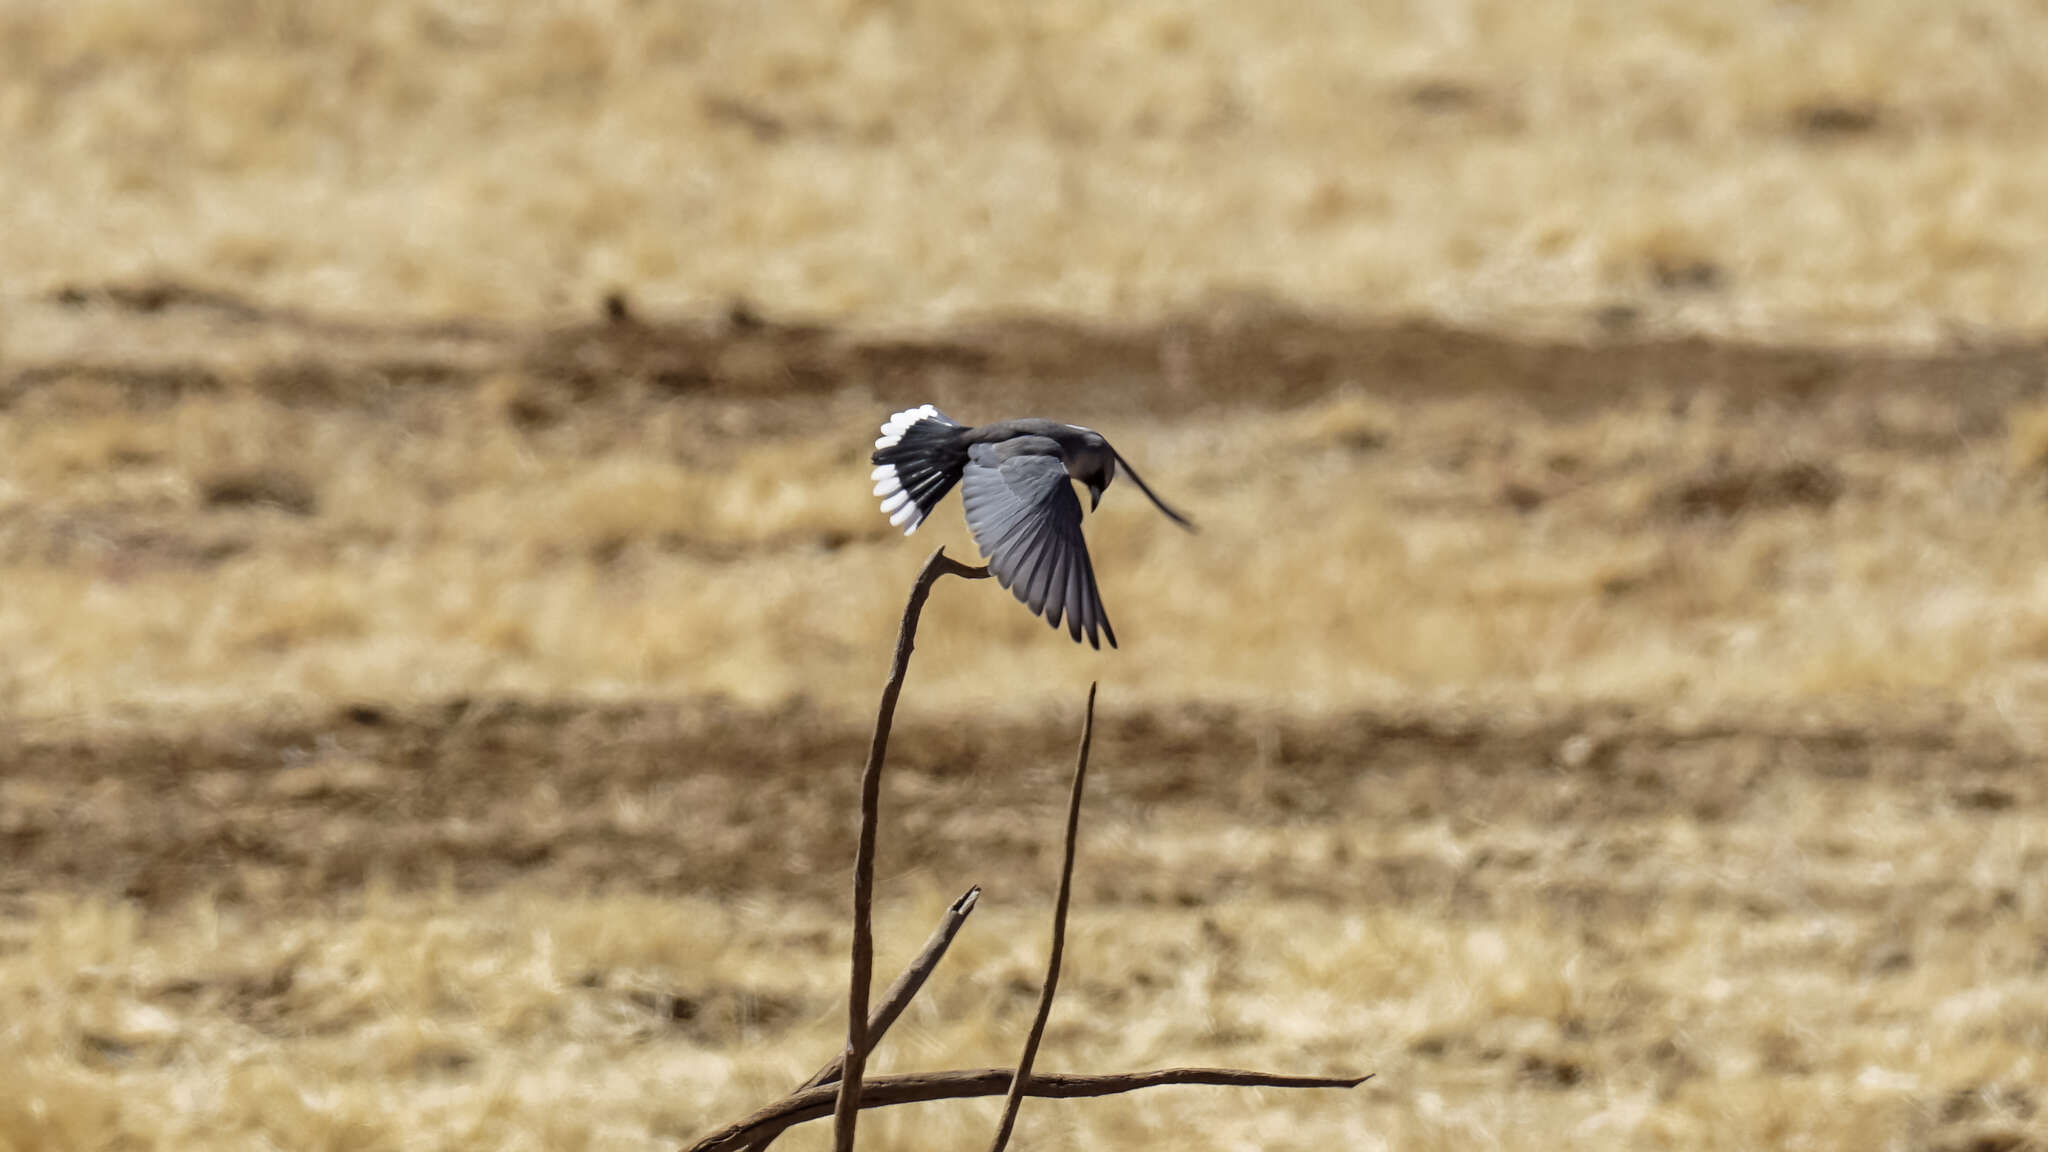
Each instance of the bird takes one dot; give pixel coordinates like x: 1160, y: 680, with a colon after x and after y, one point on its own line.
x: 1015, y: 487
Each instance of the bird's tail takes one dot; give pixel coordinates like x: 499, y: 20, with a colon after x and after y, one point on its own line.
x: 917, y: 459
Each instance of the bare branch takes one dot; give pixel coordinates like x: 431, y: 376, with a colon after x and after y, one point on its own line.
x: 920, y: 1087
x: 1059, y: 937
x: 819, y: 1097
x: 854, y: 1059
x: 909, y: 982
x: 899, y: 995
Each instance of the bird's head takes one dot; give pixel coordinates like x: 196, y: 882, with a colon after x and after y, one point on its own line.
x: 1093, y: 463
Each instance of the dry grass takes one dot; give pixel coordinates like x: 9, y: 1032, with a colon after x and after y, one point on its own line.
x: 1839, y: 968
x: 597, y: 930
x: 242, y: 551
x: 443, y: 736
x: 1863, y: 169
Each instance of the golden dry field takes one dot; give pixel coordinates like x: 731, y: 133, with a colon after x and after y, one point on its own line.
x: 442, y: 607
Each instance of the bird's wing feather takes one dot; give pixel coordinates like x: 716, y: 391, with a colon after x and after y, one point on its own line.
x: 1027, y: 523
x: 1075, y: 596
x: 1056, y: 603
x: 1091, y: 598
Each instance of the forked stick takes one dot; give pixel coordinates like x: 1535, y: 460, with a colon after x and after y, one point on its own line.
x: 854, y: 1060
x: 918, y: 1087
x: 820, y: 1097
x: 899, y: 995
x: 1059, y: 938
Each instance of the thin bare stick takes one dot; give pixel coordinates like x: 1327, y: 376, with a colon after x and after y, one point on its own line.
x: 899, y: 995
x: 1059, y: 938
x: 906, y: 987
x: 919, y: 1087
x: 854, y: 1060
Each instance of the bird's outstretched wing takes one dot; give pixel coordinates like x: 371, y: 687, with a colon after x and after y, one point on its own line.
x: 1027, y: 523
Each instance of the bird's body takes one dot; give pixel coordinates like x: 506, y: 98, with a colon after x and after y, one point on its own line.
x: 1014, y: 485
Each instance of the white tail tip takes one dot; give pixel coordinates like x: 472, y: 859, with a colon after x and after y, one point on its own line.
x: 895, y: 426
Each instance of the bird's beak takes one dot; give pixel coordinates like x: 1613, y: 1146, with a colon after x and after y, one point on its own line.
x: 1094, y: 497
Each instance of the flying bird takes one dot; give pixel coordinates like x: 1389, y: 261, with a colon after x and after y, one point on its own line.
x: 1014, y: 485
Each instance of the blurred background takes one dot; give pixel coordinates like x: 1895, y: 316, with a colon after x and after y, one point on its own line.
x: 443, y: 606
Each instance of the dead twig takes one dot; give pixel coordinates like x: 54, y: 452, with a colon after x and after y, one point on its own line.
x: 899, y: 995
x: 1059, y: 937
x: 908, y: 984
x: 854, y: 1058
x: 819, y: 1097
x: 920, y: 1087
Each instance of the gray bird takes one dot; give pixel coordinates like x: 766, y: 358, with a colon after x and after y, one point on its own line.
x: 1013, y: 479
